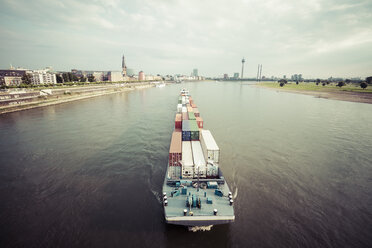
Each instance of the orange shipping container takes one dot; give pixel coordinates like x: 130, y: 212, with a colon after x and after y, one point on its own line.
x: 185, y: 116
x: 175, y: 149
x: 199, y: 120
x: 178, y: 121
x: 189, y: 109
x: 196, y: 112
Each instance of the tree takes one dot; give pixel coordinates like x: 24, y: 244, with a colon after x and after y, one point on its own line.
x: 281, y: 84
x: 347, y: 81
x: 83, y: 79
x: 317, y: 81
x: 369, y: 80
x: 91, y: 78
x: 26, y: 79
x: 282, y: 81
x: 323, y: 83
x: 340, y: 84
x: 297, y: 82
x: 66, y: 77
x: 363, y: 85
x: 59, y: 79
x: 74, y: 77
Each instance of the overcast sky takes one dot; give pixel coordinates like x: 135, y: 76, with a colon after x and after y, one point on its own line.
x: 317, y: 38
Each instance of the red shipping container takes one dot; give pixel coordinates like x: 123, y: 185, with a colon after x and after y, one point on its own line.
x: 196, y: 112
x: 200, y: 122
x: 185, y: 116
x: 178, y: 121
x: 175, y: 149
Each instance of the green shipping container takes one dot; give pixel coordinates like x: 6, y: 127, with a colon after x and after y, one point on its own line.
x: 191, y: 116
x: 194, y: 129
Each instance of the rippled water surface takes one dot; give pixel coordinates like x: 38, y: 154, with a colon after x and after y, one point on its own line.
x: 89, y: 173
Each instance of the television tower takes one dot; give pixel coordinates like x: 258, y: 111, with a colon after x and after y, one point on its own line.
x: 243, y: 61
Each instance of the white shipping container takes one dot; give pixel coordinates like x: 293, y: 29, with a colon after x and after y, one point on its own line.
x: 184, y: 110
x: 183, y: 100
x: 179, y: 108
x: 199, y: 161
x: 210, y: 149
x: 174, y: 172
x: 187, y: 171
x: 212, y: 170
x: 187, y: 154
x: 187, y: 160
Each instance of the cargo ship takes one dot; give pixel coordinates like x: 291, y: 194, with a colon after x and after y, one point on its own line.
x: 195, y: 192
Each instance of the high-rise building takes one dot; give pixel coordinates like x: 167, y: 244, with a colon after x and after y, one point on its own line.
x: 236, y: 75
x: 195, y: 72
x: 124, y: 66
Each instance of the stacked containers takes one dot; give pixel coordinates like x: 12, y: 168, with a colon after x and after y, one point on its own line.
x: 199, y: 121
x: 187, y: 160
x: 180, y: 100
x: 178, y: 121
x: 191, y: 116
x: 196, y: 112
x: 184, y: 110
x: 186, y: 131
x: 175, y: 155
x: 194, y: 130
x: 189, y: 109
x: 211, y: 152
x: 185, y: 116
x: 179, y: 108
x: 183, y: 99
x: 199, y: 161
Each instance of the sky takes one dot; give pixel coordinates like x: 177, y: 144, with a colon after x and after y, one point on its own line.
x: 316, y: 38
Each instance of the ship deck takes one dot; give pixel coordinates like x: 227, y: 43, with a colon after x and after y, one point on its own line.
x: 203, y: 216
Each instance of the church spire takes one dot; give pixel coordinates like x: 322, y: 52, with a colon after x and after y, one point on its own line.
x: 123, y: 66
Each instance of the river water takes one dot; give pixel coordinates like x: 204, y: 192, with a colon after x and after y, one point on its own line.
x: 89, y: 173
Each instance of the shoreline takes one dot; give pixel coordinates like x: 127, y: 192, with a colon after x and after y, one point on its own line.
x: 75, y: 96
x: 348, y: 96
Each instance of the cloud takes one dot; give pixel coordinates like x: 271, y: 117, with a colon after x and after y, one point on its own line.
x: 162, y: 36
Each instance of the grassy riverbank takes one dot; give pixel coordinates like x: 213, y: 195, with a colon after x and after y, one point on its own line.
x: 313, y: 87
x: 352, y: 93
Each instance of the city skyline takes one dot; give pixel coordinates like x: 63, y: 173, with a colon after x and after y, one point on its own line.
x: 317, y: 38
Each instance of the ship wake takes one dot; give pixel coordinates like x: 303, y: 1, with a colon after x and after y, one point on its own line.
x: 200, y: 228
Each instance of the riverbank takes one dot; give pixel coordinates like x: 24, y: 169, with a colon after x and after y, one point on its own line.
x: 17, y: 100
x: 346, y: 93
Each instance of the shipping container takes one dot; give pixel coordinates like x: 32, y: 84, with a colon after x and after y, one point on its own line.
x: 191, y: 116
x: 196, y: 112
x: 199, y: 121
x: 189, y: 109
x: 179, y: 108
x: 186, y: 131
x: 184, y: 110
x: 199, y: 161
x: 210, y: 149
x: 212, y: 170
x: 175, y: 149
x: 194, y: 129
x: 185, y: 116
x: 183, y: 100
x: 193, y: 105
x: 174, y: 172
x: 178, y: 121
x: 187, y: 160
